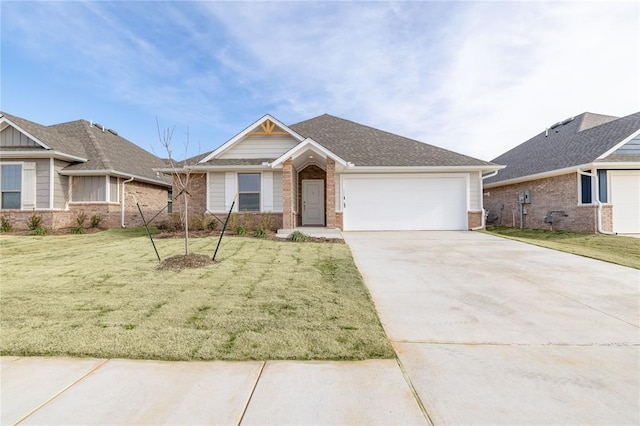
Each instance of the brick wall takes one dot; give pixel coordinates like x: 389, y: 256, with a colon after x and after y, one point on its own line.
x: 288, y: 216
x: 474, y: 219
x: 330, y: 191
x: 152, y: 199
x: 197, y: 189
x: 558, y: 193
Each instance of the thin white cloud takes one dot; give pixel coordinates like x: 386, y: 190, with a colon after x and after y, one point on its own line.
x: 475, y: 77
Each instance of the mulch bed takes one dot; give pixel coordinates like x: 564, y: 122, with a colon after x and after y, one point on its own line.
x: 181, y: 261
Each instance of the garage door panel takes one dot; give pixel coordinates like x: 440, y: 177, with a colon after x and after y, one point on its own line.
x: 405, y: 203
x: 625, y: 197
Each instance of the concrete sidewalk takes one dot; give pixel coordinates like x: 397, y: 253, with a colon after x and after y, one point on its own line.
x: 51, y: 391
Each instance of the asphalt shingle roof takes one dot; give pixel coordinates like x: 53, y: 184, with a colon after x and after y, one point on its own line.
x: 49, y: 136
x: 579, y: 141
x: 366, y: 146
x: 105, y: 151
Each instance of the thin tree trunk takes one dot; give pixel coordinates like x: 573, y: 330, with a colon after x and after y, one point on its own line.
x: 186, y: 225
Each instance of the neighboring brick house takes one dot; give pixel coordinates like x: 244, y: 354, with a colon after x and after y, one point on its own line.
x: 334, y: 173
x: 61, y: 170
x: 581, y: 174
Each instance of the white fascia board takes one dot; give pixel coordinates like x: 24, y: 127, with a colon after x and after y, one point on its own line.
x: 113, y: 173
x: 4, y: 119
x: 619, y: 144
x: 302, y: 147
x: 617, y: 165
x: 41, y: 154
x: 230, y: 167
x: 418, y: 169
x: 224, y: 147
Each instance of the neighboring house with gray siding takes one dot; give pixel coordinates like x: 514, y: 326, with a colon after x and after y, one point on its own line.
x: 335, y: 173
x: 57, y: 171
x: 581, y: 174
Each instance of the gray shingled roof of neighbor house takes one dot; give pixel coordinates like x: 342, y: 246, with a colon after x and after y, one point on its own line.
x: 366, y: 146
x: 103, y: 150
x: 50, y: 137
x: 578, y: 141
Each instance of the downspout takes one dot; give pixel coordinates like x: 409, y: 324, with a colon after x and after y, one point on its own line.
x: 597, y: 190
x: 124, y: 198
x: 484, y: 214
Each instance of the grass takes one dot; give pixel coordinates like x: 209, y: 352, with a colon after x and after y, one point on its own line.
x: 621, y: 250
x: 102, y: 295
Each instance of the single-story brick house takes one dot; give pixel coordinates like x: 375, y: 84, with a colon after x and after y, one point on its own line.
x: 581, y: 174
x: 60, y: 170
x: 334, y: 173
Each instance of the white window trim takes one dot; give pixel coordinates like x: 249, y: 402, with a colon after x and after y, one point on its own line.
x: 259, y: 192
x: 14, y: 163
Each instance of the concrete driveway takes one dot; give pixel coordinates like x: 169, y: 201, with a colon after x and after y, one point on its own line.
x: 492, y: 331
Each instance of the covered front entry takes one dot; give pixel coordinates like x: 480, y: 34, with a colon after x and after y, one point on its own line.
x: 405, y: 202
x: 312, y: 202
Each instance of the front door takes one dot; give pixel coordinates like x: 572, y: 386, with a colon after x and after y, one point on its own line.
x: 313, y: 202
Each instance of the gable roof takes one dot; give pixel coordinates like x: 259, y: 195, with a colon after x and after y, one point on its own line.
x: 366, y: 146
x: 573, y: 142
x: 46, y: 136
x: 266, y: 119
x: 354, y: 143
x: 100, y: 151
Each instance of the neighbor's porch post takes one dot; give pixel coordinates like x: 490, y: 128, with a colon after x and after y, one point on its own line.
x: 331, y: 194
x: 287, y: 195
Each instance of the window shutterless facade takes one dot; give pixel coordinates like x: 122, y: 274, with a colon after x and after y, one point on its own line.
x: 11, y: 184
x: 249, y: 192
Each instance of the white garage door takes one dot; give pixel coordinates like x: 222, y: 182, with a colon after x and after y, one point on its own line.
x: 625, y: 197
x: 405, y: 202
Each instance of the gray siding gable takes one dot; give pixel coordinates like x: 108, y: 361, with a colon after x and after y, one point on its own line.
x: 630, y: 148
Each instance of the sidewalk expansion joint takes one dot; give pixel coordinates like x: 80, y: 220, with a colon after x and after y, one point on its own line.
x: 253, y: 389
x: 413, y: 390
x: 75, y: 382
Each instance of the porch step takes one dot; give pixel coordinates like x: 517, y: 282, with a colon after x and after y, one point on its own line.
x: 312, y: 232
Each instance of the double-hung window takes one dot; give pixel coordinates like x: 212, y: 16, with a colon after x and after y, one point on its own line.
x: 249, y: 192
x: 11, y: 184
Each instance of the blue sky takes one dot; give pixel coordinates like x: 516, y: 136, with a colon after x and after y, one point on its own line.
x: 474, y: 77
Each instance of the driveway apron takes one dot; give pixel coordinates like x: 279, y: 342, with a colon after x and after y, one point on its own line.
x: 493, y: 331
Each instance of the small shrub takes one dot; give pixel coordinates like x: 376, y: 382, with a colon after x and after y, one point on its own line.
x: 34, y: 222
x: 172, y: 224
x: 240, y: 230
x: 213, y: 224
x: 259, y: 233
x: 233, y: 221
x: 35, y: 225
x: 77, y: 230
x: 95, y: 220
x: 5, y: 224
x: 38, y: 231
x: 249, y: 221
x: 80, y: 218
x: 267, y: 221
x: 197, y: 222
x: 298, y: 237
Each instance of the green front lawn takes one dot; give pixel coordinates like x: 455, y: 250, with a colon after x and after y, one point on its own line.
x: 102, y: 295
x: 610, y: 248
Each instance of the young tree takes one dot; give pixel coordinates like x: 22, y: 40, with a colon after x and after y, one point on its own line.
x: 181, y: 175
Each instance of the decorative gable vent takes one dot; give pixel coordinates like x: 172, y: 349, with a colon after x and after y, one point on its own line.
x: 267, y: 128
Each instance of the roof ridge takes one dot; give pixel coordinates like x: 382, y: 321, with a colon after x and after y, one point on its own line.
x: 104, y: 158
